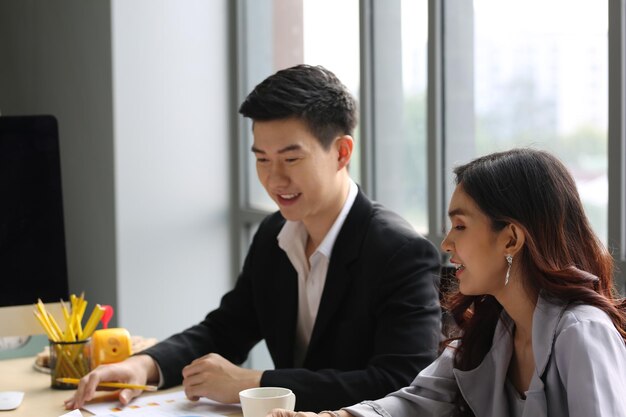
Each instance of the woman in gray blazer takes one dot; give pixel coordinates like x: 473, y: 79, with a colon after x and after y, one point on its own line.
x: 541, y: 332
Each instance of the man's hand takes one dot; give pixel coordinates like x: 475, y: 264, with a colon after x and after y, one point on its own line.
x: 135, y: 370
x: 216, y: 378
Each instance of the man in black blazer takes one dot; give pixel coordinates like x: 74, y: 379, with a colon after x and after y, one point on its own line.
x: 342, y: 290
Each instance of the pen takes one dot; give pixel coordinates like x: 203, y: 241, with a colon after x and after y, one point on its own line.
x: 75, y: 381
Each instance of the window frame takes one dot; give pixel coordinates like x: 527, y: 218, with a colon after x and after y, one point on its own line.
x: 617, y: 138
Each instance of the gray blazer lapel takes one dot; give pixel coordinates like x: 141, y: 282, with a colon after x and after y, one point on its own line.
x: 536, y: 403
x: 546, y: 319
x: 484, y: 386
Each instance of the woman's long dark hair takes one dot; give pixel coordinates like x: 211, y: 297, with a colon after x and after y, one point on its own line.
x: 562, y: 256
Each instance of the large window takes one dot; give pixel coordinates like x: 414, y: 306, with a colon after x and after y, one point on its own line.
x: 441, y: 82
x: 398, y: 113
x: 540, y: 79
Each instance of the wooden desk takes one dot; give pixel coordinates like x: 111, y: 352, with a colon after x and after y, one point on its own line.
x: 39, y: 399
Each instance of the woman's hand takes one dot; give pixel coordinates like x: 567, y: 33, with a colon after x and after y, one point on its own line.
x: 279, y: 412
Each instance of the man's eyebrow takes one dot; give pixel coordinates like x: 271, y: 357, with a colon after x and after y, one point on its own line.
x: 294, y: 147
x: 256, y: 150
x: 288, y: 148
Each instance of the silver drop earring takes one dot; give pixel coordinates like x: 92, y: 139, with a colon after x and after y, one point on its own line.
x: 509, y: 260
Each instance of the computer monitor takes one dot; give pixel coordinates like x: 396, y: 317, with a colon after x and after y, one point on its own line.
x: 32, y: 238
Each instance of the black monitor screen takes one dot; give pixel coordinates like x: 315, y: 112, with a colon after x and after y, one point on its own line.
x: 32, y: 239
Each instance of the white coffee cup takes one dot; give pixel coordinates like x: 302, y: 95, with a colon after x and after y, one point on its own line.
x: 257, y: 402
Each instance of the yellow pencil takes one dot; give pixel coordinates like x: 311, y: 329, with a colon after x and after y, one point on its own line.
x: 81, y: 312
x: 43, y: 323
x: 66, y: 312
x: 46, y: 320
x: 92, y: 322
x: 75, y: 381
x: 54, y: 325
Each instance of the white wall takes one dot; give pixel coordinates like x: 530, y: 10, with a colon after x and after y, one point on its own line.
x: 140, y: 89
x: 171, y: 112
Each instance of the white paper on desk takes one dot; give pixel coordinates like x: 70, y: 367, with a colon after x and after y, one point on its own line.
x: 74, y: 413
x: 174, y: 404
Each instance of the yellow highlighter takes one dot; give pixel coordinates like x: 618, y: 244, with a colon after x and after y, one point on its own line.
x: 75, y: 381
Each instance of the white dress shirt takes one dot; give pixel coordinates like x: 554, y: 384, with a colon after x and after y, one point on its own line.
x: 293, y: 239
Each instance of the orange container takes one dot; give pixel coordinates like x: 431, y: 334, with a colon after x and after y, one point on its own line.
x: 109, y: 346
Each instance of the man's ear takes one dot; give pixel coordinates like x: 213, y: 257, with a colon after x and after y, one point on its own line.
x: 344, y: 145
x: 514, y: 238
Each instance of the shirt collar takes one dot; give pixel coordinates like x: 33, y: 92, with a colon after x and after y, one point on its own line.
x: 327, y: 244
x: 293, y: 233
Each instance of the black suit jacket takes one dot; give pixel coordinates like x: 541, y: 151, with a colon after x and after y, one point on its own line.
x: 377, y: 326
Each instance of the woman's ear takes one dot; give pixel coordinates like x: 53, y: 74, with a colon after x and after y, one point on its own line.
x: 514, y: 239
x: 344, y: 145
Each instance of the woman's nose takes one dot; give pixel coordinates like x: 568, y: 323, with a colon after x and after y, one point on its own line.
x: 446, y: 245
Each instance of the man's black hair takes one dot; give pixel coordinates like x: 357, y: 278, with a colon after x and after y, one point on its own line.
x: 312, y: 94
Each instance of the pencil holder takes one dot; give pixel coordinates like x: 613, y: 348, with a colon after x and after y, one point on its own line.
x: 68, y: 360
